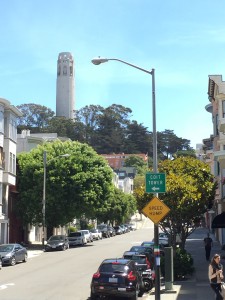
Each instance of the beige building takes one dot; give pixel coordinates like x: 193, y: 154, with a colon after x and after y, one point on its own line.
x: 8, y: 143
x: 215, y: 151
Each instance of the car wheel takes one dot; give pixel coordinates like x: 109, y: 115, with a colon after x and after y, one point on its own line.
x: 13, y: 261
x: 0, y: 264
x: 25, y: 258
x: 63, y: 247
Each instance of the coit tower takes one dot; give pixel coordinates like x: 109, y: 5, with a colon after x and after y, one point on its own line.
x: 65, y: 86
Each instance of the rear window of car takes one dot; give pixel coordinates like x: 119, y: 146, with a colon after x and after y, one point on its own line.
x: 113, y: 268
x: 72, y: 234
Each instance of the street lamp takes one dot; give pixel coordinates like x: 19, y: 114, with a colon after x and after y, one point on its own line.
x: 44, y: 192
x: 98, y: 61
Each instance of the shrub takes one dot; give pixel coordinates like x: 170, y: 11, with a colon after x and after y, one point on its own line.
x: 182, y: 264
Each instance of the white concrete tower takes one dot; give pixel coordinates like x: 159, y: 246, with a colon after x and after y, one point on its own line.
x: 65, y: 86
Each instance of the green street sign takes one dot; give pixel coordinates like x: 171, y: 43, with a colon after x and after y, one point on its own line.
x: 155, y: 182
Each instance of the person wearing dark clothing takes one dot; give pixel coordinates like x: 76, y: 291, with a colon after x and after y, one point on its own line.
x: 216, y: 275
x: 208, y: 246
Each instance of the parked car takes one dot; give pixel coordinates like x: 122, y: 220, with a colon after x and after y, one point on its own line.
x: 125, y: 229
x: 57, y: 242
x: 105, y: 230
x: 96, y: 233
x: 118, y: 230
x: 163, y: 239
x: 117, y: 277
x: 76, y: 238
x: 141, y: 260
x: 144, y: 250
x: 87, y: 234
x: 12, y: 253
x: 150, y: 244
x: 112, y: 231
x: 132, y: 226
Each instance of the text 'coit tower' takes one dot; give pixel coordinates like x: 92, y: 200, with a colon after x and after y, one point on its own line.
x: 65, y: 86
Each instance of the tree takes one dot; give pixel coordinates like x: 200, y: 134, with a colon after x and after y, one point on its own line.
x: 190, y: 190
x: 141, y: 196
x: 169, y: 144
x: 121, y: 207
x: 80, y: 184
x: 34, y: 115
x: 138, y: 163
x: 137, y: 138
x: 111, y: 128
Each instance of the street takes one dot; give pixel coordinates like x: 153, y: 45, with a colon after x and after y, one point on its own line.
x: 66, y: 275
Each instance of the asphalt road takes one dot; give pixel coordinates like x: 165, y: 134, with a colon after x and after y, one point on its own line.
x: 65, y: 275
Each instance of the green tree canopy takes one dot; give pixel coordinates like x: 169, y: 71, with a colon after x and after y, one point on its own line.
x: 190, y: 188
x: 75, y: 185
x: 34, y: 115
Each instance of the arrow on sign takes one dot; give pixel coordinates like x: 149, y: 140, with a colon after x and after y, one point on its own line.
x: 155, y: 188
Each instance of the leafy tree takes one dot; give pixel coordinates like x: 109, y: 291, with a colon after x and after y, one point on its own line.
x: 89, y: 117
x: 111, y: 129
x: 34, y: 115
x: 190, y: 190
x: 137, y: 138
x: 141, y: 196
x: 121, y: 207
x: 169, y: 144
x: 77, y: 185
x: 136, y: 162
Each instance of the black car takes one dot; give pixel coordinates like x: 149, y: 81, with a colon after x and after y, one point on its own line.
x: 57, y: 242
x: 144, y: 250
x: 117, y: 277
x: 104, y: 228
x: 141, y: 260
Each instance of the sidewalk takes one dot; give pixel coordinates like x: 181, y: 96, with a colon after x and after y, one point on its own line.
x: 197, y: 287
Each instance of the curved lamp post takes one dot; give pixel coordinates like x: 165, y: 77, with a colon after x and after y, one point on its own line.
x: 99, y: 60
x: 44, y: 192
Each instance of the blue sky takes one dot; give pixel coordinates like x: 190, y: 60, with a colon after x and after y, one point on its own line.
x: 183, y: 41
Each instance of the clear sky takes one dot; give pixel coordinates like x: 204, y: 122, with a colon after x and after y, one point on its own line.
x: 184, y: 41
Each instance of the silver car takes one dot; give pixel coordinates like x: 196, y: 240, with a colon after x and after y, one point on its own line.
x: 76, y: 238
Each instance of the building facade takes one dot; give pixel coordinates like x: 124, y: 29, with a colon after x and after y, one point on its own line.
x: 65, y: 100
x: 215, y: 151
x: 8, y: 143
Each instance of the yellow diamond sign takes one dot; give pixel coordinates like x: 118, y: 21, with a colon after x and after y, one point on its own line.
x: 155, y: 210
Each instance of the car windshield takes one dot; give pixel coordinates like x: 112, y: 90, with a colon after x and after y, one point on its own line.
x: 6, y: 248
x: 93, y: 230
x: 139, y: 259
x: 56, y: 238
x: 101, y: 226
x: 113, y: 268
x: 72, y: 234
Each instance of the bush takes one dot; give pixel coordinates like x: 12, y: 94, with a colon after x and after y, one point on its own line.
x: 182, y: 264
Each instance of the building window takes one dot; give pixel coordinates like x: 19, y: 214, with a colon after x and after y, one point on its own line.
x: 1, y: 121
x: 64, y: 70
x: 223, y: 108
x: 71, y: 71
x: 59, y: 70
x: 12, y: 130
x: 12, y: 163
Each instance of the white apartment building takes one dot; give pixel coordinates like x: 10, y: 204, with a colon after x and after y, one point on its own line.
x: 8, y: 142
